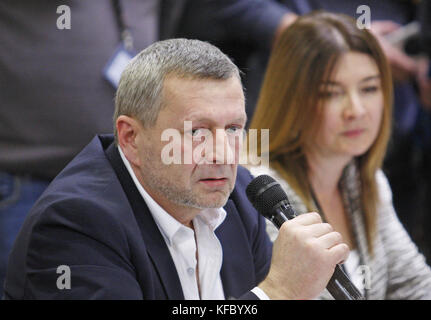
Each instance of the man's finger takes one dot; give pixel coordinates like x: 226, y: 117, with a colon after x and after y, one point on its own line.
x: 319, y: 229
x: 339, y: 252
x: 329, y: 240
x: 306, y: 219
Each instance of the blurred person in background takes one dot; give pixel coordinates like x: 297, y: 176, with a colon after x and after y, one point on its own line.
x: 330, y: 123
x: 57, y: 88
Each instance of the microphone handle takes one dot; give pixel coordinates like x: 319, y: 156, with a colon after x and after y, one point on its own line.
x: 339, y: 286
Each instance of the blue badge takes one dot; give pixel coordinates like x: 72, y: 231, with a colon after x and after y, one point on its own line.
x: 115, y: 66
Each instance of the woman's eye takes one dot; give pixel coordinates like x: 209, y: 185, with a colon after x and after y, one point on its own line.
x: 370, y: 89
x: 329, y: 94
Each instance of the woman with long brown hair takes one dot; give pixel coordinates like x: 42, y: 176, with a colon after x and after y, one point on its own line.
x: 326, y: 99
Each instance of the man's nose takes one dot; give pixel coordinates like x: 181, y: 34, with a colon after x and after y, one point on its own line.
x: 221, y: 152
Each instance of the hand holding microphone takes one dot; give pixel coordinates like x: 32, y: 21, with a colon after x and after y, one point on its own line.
x: 306, y: 252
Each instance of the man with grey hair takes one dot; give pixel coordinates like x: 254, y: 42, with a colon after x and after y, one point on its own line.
x: 120, y: 223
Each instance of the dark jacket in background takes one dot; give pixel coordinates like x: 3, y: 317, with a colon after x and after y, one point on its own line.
x: 53, y: 96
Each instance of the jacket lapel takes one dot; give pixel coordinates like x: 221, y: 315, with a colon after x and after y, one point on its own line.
x: 153, y: 239
x: 237, y: 272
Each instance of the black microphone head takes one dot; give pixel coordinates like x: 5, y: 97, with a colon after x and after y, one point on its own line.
x: 265, y: 193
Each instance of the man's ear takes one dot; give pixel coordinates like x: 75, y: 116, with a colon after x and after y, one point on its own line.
x: 128, y: 130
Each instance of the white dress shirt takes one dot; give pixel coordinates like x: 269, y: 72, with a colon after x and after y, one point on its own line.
x: 181, y: 242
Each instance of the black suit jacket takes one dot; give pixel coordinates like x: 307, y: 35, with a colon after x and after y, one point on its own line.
x: 171, y: 14
x: 93, y: 219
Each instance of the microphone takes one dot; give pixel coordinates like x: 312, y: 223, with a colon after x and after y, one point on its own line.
x: 271, y: 201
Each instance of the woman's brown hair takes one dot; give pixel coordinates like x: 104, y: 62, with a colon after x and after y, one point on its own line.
x: 303, y: 58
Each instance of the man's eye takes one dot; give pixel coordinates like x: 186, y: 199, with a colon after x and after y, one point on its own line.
x: 196, y: 132
x: 199, y: 132
x: 234, y: 129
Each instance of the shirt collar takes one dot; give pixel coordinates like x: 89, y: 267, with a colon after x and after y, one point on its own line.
x: 168, y: 225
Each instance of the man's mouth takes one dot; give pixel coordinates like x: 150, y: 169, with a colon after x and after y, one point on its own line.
x: 214, y: 182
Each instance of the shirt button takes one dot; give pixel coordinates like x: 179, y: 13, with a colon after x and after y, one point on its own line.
x: 191, y: 271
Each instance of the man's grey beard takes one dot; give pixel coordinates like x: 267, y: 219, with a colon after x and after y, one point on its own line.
x: 185, y: 198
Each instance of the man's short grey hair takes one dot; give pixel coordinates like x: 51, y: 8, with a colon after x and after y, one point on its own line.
x: 139, y: 93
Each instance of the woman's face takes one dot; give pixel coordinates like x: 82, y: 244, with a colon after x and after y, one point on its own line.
x: 351, y: 108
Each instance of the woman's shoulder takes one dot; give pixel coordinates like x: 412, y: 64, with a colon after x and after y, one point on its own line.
x: 265, y: 170
x: 383, y: 187
x: 293, y: 197
x: 260, y: 170
x: 386, y: 216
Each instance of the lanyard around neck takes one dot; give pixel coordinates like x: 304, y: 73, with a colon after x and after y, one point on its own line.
x: 125, y: 34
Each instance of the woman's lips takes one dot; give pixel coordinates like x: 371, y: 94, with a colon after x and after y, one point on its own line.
x: 353, y: 133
